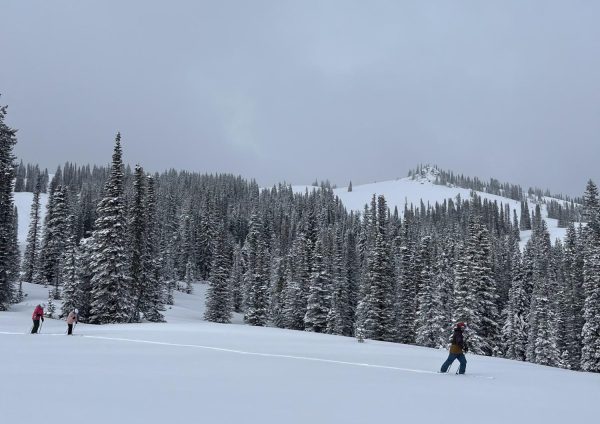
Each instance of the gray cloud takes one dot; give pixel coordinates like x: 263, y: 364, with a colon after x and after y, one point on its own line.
x: 302, y: 90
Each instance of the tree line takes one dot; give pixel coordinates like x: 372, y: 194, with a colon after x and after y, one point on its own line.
x: 117, y: 244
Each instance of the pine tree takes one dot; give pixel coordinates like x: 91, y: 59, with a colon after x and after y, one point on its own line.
x: 541, y: 339
x: 562, y: 306
x: 189, y: 278
x: 429, y: 306
x: 31, y: 256
x: 78, y: 294
x: 573, y: 271
x: 55, y: 236
x: 218, y: 296
x: 277, y: 295
x: 339, y: 319
x: 474, y: 295
x: 15, y: 254
x: 379, y: 322
x: 590, y: 352
x: 51, y: 309
x: 515, y: 330
x: 256, y: 277
x: 20, y: 181
x: 236, y: 279
x: 407, y: 291
x: 138, y: 244
x: 72, y: 290
x: 111, y: 286
x: 293, y: 305
x: 315, y: 318
x: 7, y: 253
x: 525, y: 221
x: 154, y: 296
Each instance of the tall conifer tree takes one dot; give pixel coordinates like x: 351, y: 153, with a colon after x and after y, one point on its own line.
x: 111, y: 285
x: 7, y: 168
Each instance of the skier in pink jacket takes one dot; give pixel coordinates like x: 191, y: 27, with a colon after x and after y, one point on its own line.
x: 71, y: 320
x: 38, y: 314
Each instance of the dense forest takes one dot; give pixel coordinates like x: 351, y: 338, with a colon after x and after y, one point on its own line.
x: 117, y: 242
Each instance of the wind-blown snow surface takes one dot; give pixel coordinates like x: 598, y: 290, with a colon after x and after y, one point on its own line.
x: 406, y: 191
x: 189, y: 370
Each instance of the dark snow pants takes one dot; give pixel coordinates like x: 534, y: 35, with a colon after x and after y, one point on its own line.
x: 451, y: 357
x: 36, y: 325
x: 70, y: 331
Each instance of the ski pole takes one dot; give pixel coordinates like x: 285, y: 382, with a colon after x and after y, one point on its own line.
x: 40, y: 329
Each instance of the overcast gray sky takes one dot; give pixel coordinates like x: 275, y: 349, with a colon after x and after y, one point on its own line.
x: 339, y: 90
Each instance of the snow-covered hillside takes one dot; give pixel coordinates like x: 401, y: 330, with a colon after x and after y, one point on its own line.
x: 397, y: 193
x: 190, y: 370
x: 406, y: 191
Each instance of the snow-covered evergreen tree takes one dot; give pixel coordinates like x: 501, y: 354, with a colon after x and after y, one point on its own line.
x: 379, y: 322
x: 257, y: 274
x: 32, y: 247
x: 407, y: 292
x: 293, y: 305
x: 111, y: 285
x: 15, y: 256
x: 515, y: 329
x: 573, y: 273
x: 153, y: 301
x: 277, y: 292
x: 219, y: 303
x: 51, y: 309
x: 474, y: 295
x: 339, y: 319
x: 562, y: 304
x: 190, y: 277
x: 236, y: 279
x: 72, y: 291
x: 55, y: 236
x: 315, y: 318
x: 138, y: 243
x: 541, y: 347
x: 525, y: 222
x: 590, y: 340
x: 443, y: 281
x: 7, y: 165
x: 429, y: 310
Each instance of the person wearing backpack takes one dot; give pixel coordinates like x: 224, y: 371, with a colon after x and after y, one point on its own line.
x: 71, y: 320
x: 38, y: 313
x: 458, y: 348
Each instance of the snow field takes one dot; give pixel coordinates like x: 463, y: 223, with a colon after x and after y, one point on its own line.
x: 189, y: 369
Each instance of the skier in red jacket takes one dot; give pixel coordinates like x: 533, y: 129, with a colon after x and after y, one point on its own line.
x: 38, y: 313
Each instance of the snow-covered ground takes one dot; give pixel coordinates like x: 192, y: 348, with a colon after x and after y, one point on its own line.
x: 188, y: 370
x: 406, y: 191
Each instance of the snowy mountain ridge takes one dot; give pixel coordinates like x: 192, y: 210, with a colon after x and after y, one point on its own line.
x: 411, y: 191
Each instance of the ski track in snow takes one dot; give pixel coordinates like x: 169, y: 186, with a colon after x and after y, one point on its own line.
x: 247, y: 353
x: 266, y: 355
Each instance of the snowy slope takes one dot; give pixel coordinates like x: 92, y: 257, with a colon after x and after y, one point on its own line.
x: 408, y: 191
x: 189, y: 370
